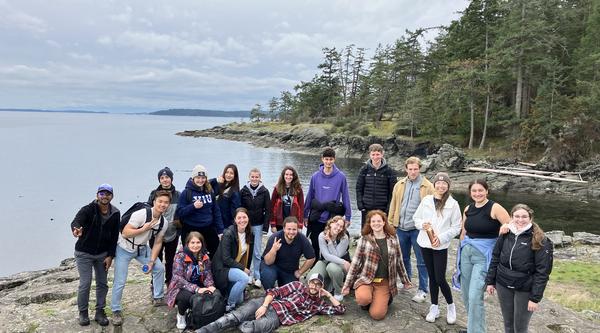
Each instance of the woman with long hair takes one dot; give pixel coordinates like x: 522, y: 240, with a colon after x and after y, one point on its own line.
x: 191, y: 274
x: 335, y: 258
x: 227, y: 192
x: 287, y: 199
x: 376, y: 265
x: 438, y: 219
x: 520, y: 269
x: 482, y: 220
x: 231, y: 264
x: 199, y: 211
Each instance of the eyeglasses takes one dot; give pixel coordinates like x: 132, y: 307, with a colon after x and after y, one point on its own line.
x: 104, y: 194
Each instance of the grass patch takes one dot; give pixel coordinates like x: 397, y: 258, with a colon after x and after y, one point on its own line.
x: 575, y: 285
x: 32, y: 327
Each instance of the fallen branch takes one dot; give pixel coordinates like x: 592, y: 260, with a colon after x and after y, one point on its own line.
x: 523, y: 174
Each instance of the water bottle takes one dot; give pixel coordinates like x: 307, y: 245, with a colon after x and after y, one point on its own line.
x: 145, y: 268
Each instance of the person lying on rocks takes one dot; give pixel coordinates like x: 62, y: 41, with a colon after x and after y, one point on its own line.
x: 292, y: 303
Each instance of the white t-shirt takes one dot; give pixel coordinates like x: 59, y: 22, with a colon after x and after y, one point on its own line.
x: 242, y: 237
x: 138, y: 219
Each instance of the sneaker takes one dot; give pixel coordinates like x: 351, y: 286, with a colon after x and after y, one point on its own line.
x: 451, y: 314
x: 257, y: 283
x: 117, y: 318
x: 420, y: 296
x: 339, y: 297
x: 100, y: 318
x: 158, y: 302
x: 434, y: 312
x: 250, y: 281
x: 84, y: 318
x: 181, y: 324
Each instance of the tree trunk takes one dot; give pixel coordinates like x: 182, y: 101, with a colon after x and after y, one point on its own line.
x: 487, y: 98
x: 472, y: 135
x: 519, y: 94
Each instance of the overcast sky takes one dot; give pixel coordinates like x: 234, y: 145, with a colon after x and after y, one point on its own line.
x: 148, y: 55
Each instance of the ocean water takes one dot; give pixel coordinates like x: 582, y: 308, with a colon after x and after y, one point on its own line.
x: 52, y: 163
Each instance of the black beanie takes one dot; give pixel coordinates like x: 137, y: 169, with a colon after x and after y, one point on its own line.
x: 165, y: 171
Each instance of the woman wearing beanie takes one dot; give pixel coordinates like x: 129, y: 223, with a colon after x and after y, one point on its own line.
x: 438, y: 219
x: 198, y: 210
x: 171, y: 237
x: 520, y: 268
x: 227, y: 191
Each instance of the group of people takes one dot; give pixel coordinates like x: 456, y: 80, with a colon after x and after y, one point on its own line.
x: 221, y: 224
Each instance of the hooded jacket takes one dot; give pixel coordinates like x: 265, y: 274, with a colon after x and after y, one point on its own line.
x: 208, y: 215
x: 97, y: 237
x: 326, y: 188
x: 258, y: 204
x: 228, y: 202
x: 513, y: 260
x: 374, y: 187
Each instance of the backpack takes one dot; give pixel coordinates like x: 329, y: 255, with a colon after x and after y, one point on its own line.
x: 127, y: 215
x: 205, y: 308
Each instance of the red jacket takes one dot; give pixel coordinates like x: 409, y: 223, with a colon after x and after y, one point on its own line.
x: 277, y: 208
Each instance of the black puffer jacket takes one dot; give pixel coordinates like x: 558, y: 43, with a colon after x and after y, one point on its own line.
x: 97, y: 237
x: 516, y: 266
x: 258, y: 205
x: 374, y: 187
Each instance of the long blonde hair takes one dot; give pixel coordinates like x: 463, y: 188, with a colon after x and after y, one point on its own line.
x: 332, y: 221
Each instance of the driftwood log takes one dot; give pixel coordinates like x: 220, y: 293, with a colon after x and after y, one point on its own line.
x: 526, y: 174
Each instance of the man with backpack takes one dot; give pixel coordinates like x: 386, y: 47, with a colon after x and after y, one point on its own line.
x: 96, y: 227
x: 138, y: 225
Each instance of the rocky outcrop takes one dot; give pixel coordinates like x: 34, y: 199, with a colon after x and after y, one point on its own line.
x: 586, y: 238
x: 45, y: 301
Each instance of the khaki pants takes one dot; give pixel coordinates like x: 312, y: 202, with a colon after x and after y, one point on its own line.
x: 377, y: 294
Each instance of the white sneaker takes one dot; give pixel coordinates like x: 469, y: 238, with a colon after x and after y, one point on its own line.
x: 434, y: 312
x: 451, y: 314
x: 420, y: 296
x: 250, y: 281
x: 339, y: 297
x: 181, y: 324
x: 257, y: 284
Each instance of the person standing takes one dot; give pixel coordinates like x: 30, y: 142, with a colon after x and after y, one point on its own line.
x: 327, y: 196
x: 171, y: 238
x: 482, y: 220
x: 227, y: 190
x: 438, y: 219
x: 287, y: 199
x: 133, y: 244
x: 407, y: 196
x: 256, y: 200
x: 199, y: 211
x: 520, y: 268
x: 375, y: 183
x: 96, y: 227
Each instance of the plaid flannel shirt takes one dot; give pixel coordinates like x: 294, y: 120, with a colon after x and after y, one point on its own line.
x: 365, y: 261
x: 293, y: 304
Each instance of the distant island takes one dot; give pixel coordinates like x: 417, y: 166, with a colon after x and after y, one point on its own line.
x: 41, y: 110
x: 201, y: 112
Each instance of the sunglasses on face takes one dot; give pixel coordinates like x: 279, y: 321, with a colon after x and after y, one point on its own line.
x: 104, y: 194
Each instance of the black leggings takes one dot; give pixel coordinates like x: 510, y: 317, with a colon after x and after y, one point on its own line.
x: 436, y: 261
x: 183, y: 300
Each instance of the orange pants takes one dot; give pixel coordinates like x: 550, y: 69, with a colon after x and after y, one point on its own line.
x: 376, y: 294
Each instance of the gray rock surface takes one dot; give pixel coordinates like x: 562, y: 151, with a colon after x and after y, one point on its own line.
x: 586, y: 238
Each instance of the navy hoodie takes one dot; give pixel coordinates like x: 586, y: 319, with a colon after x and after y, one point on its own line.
x: 208, y: 215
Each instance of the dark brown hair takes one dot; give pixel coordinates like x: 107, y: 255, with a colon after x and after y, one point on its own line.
x: 195, y: 234
x: 235, y: 183
x: 163, y: 193
x: 248, y: 229
x: 387, y: 228
x: 290, y: 219
x: 295, y: 187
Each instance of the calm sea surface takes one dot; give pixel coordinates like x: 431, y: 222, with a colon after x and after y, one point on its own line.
x: 51, y: 164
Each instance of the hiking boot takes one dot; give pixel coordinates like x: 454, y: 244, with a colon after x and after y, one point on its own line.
x: 84, y: 318
x: 420, y: 296
x: 158, y: 302
x: 451, y: 314
x: 100, y: 318
x: 181, y: 324
x: 117, y: 318
x: 434, y: 313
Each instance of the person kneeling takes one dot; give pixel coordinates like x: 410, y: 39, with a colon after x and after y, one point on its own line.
x: 293, y: 303
x: 191, y: 274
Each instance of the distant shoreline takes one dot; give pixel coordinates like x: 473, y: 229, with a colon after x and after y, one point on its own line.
x: 169, y: 112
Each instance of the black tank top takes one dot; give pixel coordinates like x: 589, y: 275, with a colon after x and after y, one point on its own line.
x: 479, y: 222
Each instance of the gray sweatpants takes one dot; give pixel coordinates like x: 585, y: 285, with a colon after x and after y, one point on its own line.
x: 85, y: 263
x: 244, y: 317
x: 513, y: 304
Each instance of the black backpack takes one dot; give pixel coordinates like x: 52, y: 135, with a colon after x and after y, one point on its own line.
x: 205, y: 309
x: 138, y: 206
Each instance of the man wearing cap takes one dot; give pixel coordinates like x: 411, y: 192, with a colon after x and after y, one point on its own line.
x: 407, y: 195
x: 171, y: 239
x: 292, y: 303
x: 96, y: 227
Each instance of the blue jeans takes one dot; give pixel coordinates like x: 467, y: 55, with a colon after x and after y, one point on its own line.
x: 257, y: 251
x: 473, y: 271
x: 272, y: 273
x: 239, y: 279
x: 122, y: 259
x: 407, y: 240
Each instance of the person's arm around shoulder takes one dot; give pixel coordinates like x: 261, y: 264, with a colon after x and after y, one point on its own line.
x: 499, y: 213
